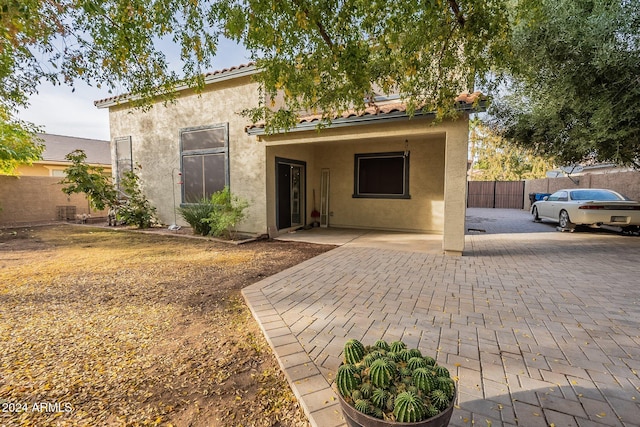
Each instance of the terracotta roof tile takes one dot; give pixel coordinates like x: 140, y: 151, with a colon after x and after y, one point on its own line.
x: 464, y: 99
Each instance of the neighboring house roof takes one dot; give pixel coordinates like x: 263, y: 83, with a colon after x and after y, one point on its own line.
x: 211, y: 77
x: 58, y: 146
x: 465, y: 102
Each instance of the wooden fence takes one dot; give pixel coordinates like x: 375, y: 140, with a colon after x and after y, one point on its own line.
x: 495, y: 194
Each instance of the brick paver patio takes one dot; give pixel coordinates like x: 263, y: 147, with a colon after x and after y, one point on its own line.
x: 541, y: 329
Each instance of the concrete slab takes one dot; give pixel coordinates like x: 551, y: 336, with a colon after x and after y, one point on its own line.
x: 540, y: 328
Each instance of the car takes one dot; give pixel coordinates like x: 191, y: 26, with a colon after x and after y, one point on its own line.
x: 593, y: 207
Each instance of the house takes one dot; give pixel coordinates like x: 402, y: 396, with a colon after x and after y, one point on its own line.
x: 34, y: 195
x: 53, y: 160
x: 374, y: 169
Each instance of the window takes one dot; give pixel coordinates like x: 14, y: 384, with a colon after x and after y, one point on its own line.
x: 382, y: 175
x: 559, y: 196
x: 205, y: 161
x: 124, y: 157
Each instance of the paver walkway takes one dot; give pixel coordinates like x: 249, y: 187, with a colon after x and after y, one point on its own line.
x: 541, y: 329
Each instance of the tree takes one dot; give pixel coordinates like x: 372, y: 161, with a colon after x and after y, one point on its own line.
x: 324, y: 55
x: 331, y: 55
x: 115, y: 43
x: 495, y: 159
x: 81, y: 177
x: 575, y: 93
x: 18, y: 145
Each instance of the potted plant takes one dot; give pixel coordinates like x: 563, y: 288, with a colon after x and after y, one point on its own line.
x: 391, y: 385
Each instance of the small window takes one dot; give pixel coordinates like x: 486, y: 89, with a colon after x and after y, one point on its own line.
x: 124, y: 157
x: 205, y: 161
x: 382, y: 175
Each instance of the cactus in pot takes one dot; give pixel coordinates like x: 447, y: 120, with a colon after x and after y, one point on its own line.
x: 393, y: 383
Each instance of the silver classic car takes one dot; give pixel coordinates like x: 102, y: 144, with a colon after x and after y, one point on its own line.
x: 592, y: 207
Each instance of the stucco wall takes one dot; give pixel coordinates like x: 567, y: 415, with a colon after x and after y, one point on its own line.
x: 156, y: 146
x: 34, y: 199
x: 334, y: 149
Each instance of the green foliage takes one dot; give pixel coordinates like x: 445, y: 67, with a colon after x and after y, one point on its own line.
x: 398, y: 391
x: 496, y: 159
x: 227, y: 214
x: 195, y: 213
x: 80, y: 177
x: 329, y: 56
x: 136, y: 210
x: 323, y: 56
x: 17, y: 143
x: 574, y: 94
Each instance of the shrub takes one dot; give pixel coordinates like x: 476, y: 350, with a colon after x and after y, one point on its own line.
x: 195, y: 213
x: 227, y: 213
x: 136, y: 210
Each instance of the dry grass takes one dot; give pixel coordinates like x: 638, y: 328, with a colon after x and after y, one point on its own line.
x: 118, y: 328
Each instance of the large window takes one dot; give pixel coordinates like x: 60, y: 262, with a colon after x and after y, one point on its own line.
x: 205, y: 161
x: 382, y: 175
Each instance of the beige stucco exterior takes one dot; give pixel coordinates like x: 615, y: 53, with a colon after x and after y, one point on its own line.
x: 430, y: 147
x: 155, y: 143
x: 437, y: 154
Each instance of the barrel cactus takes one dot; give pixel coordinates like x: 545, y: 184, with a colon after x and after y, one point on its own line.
x: 382, y: 344
x: 381, y: 372
x: 346, y: 379
x: 353, y: 351
x: 409, y: 408
x: 393, y: 382
x: 424, y: 379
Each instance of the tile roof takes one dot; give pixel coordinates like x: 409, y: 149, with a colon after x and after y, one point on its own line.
x: 58, y: 146
x: 213, y: 75
x: 465, y: 101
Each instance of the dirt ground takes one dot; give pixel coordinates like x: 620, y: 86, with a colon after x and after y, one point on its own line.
x: 103, y: 327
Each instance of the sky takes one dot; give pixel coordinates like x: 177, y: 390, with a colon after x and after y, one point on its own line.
x: 61, y: 111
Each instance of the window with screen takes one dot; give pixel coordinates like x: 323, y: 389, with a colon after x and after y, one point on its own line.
x: 382, y: 175
x: 124, y: 157
x: 205, y: 161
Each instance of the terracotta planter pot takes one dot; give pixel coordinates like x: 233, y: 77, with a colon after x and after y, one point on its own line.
x: 356, y: 418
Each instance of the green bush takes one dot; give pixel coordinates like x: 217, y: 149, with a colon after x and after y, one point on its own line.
x: 136, y: 210
x: 227, y: 213
x: 195, y: 213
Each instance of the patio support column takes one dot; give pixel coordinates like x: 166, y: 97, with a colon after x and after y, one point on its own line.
x: 455, y: 187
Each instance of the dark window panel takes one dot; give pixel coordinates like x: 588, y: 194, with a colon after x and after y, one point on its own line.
x: 203, y: 139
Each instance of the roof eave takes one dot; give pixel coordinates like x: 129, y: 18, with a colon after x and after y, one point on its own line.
x: 209, y: 79
x: 366, y: 119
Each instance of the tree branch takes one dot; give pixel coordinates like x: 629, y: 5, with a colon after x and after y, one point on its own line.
x: 321, y: 29
x: 456, y: 11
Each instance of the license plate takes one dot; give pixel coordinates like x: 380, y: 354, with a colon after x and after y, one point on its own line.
x: 619, y: 219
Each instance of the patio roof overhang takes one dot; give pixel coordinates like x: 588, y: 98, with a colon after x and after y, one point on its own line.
x: 386, y: 113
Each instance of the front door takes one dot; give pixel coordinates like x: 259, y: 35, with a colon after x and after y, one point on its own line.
x: 290, y: 177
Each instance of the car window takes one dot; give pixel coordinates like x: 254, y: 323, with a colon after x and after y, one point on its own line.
x: 563, y: 196
x: 594, y: 195
x: 554, y: 197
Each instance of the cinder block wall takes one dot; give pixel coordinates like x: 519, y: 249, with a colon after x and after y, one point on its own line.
x: 34, y: 199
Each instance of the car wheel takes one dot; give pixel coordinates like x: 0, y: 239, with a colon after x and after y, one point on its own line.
x: 564, y: 220
x: 534, y: 212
